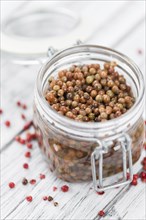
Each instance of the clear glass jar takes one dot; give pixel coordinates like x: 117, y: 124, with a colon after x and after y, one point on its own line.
x: 68, y: 144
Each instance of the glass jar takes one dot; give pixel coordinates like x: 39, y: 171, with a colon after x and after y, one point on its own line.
x: 75, y: 150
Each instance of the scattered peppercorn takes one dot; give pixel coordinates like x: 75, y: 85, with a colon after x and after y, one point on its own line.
x: 24, y: 181
x: 55, y: 203
x: 29, y: 145
x: 17, y: 138
x: 65, y: 188
x: 32, y: 182
x: 28, y: 154
x: 12, y: 185
x: 22, y: 141
x: 27, y: 125
x: 50, y: 198
x: 24, y: 106
x: 1, y: 111
x: 101, y: 213
x: 45, y: 198
x: 7, y: 123
x: 42, y: 176
x: 92, y: 87
x: 25, y: 166
x: 23, y: 116
x: 134, y: 182
x: 143, y: 176
x: 18, y: 103
x: 54, y: 188
x: 29, y: 198
x: 100, y: 193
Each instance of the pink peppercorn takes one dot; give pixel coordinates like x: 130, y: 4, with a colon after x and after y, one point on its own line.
x: 1, y: 111
x: 135, y: 176
x: 29, y: 198
x: 25, y: 166
x: 29, y: 145
x: 100, y: 193
x: 42, y: 176
x: 23, y: 116
x: 54, y: 188
x: 134, y: 182
x: 17, y: 138
x: 11, y: 185
x: 28, y: 154
x: 65, y: 188
x: 27, y: 125
x: 101, y: 213
x: 24, y: 106
x: 22, y: 141
x: 18, y: 103
x: 45, y: 198
x: 33, y: 181
x: 7, y: 123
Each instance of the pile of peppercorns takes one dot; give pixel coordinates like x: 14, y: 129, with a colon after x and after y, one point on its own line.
x: 90, y: 93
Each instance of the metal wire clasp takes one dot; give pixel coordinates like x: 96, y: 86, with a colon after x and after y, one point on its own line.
x: 125, y: 144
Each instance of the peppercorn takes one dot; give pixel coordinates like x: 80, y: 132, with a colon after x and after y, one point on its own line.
x: 55, y: 203
x: 91, y: 116
x: 93, y: 93
x: 89, y: 79
x: 115, y: 89
x: 99, y: 98
x: 106, y: 98
x: 110, y: 93
x: 24, y: 181
x: 103, y: 115
x: 103, y: 74
x: 50, y: 198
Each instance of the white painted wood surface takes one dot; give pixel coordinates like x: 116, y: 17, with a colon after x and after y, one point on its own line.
x: 124, y: 30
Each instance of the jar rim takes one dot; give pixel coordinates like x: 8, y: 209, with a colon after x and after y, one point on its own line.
x: 90, y: 125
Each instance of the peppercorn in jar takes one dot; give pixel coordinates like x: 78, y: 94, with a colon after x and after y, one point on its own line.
x: 88, y: 109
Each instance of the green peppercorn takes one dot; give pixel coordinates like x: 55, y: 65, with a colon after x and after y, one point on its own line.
x: 99, y: 98
x: 89, y: 79
x: 103, y: 115
x: 74, y: 104
x: 56, y: 88
x: 97, y: 77
x: 60, y: 92
x: 92, y: 70
x: 110, y: 93
x: 106, y: 98
x: 91, y: 116
x: 115, y: 89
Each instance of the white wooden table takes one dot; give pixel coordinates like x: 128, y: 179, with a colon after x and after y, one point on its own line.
x: 121, y: 28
